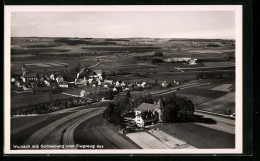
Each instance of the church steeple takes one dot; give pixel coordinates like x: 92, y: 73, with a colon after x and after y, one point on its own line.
x: 23, y: 71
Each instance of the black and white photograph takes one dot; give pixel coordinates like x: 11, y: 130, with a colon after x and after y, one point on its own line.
x: 123, y: 79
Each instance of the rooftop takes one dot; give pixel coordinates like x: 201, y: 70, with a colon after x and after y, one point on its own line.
x: 147, y: 107
x: 31, y: 75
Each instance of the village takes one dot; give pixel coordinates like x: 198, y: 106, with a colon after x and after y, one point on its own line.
x: 41, y: 82
x: 138, y: 117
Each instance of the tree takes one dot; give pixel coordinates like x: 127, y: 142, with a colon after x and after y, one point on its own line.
x: 156, y: 82
x: 176, y: 108
x: 108, y: 111
x: 128, y: 94
x: 77, y: 68
x: 148, y: 98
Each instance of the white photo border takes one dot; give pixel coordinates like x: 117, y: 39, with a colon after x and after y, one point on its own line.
x: 83, y: 8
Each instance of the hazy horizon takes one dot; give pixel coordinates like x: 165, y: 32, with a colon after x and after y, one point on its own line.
x: 125, y: 24
x: 116, y: 38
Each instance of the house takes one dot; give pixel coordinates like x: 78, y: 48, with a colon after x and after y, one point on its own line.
x: 123, y: 84
x: 143, y: 84
x: 99, y: 82
x: 114, y: 89
x: 17, y: 84
x: 47, y: 83
x: 164, y: 84
x: 90, y: 80
x: 52, y: 77
x: 59, y: 79
x: 106, y: 86
x: 12, y: 80
x: 148, y: 113
x: 25, y: 88
x: 82, y: 93
x: 117, y: 83
x: 98, y: 72
x: 192, y: 61
x: 108, y: 81
x: 63, y: 84
x: 30, y: 77
x: 126, y: 89
x: 80, y: 82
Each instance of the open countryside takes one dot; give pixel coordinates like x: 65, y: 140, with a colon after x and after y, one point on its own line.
x: 131, y: 93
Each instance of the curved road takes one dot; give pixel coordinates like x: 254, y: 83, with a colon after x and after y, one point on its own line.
x: 53, y: 133
x: 83, y: 127
x: 95, y: 132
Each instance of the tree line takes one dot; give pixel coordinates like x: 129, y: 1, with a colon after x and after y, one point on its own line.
x: 51, y: 106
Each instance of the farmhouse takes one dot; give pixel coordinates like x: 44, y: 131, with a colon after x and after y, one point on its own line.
x: 188, y: 61
x: 98, y: 72
x: 148, y: 113
x: 59, y: 79
x: 30, y: 77
x: 63, y: 84
x: 47, y: 83
x: 164, y: 84
x: 108, y: 81
x: 80, y: 81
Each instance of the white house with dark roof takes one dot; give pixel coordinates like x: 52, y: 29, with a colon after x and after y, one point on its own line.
x: 30, y: 77
x: 98, y: 72
x: 147, y: 107
x: 63, y: 84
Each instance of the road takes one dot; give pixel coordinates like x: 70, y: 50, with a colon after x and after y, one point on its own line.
x: 222, y: 124
x: 95, y: 132
x: 98, y: 63
x: 83, y: 126
x: 60, y: 132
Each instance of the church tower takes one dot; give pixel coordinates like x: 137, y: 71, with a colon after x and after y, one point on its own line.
x: 23, y: 71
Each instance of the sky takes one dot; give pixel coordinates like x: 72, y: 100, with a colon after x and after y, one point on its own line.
x: 125, y: 24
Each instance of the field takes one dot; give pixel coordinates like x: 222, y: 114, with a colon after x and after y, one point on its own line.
x: 169, y: 140
x: 128, y: 59
x: 25, y: 99
x: 199, y: 96
x: 199, y: 136
x: 146, y: 141
x: 217, y: 64
x: 89, y: 51
x: 223, y: 87
x: 215, y: 97
x: 224, y: 104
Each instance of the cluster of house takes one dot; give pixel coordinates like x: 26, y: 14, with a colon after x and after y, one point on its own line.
x: 30, y: 79
x: 188, y: 61
x: 146, y: 114
x: 84, y: 78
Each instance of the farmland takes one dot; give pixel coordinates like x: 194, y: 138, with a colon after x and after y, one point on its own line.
x: 85, y: 51
x: 200, y: 136
x: 209, y: 84
x: 24, y: 99
x: 121, y: 59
